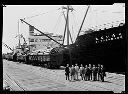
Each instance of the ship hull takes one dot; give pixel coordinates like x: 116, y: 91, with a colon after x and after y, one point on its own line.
x: 110, y: 51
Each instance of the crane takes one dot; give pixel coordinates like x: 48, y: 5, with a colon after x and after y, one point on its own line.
x: 21, y: 36
x: 23, y: 39
x: 24, y: 48
x: 7, y: 46
x: 42, y: 33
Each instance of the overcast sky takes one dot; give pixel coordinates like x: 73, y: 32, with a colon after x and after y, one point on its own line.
x: 52, y: 19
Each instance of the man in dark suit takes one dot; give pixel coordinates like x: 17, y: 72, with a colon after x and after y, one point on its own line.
x: 67, y: 71
x: 98, y: 72
x: 94, y: 73
x: 102, y: 73
x: 72, y: 72
x: 86, y: 73
x: 90, y: 71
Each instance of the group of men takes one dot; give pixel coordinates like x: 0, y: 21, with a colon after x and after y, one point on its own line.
x: 89, y: 72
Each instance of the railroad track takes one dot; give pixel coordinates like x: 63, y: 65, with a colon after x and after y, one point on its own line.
x: 12, y: 84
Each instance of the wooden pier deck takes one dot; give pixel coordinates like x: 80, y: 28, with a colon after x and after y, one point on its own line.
x: 22, y: 77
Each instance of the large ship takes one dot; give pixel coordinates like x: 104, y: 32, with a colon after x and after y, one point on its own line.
x: 105, y: 47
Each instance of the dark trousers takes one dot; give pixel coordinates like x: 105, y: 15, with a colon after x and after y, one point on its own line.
x: 90, y: 76
x: 86, y: 77
x: 98, y: 76
x: 67, y: 76
x: 94, y: 76
x: 82, y: 76
x: 102, y: 77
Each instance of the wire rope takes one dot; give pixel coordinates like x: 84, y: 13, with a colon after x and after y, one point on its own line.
x: 58, y: 21
x: 75, y: 23
x: 41, y: 13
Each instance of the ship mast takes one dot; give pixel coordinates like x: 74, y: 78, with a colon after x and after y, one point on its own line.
x: 67, y: 24
x: 68, y: 31
x: 18, y: 34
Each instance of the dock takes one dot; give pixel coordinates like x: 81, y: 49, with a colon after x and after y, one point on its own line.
x: 23, y: 77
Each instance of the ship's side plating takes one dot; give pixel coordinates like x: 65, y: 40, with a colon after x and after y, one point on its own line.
x: 105, y: 47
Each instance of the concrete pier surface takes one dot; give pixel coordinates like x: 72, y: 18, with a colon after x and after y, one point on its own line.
x: 23, y: 77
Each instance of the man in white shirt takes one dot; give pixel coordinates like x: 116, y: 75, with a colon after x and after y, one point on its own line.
x: 76, y: 71
x: 82, y: 72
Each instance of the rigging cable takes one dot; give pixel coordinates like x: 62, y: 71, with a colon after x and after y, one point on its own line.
x: 70, y: 35
x: 64, y: 28
x: 75, y: 23
x: 83, y: 21
x: 105, y: 11
x: 41, y: 14
x: 58, y: 20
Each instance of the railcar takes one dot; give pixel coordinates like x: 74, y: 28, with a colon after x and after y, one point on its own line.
x: 4, y: 56
x: 56, y: 57
x: 39, y: 60
x: 21, y: 58
x: 9, y: 56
